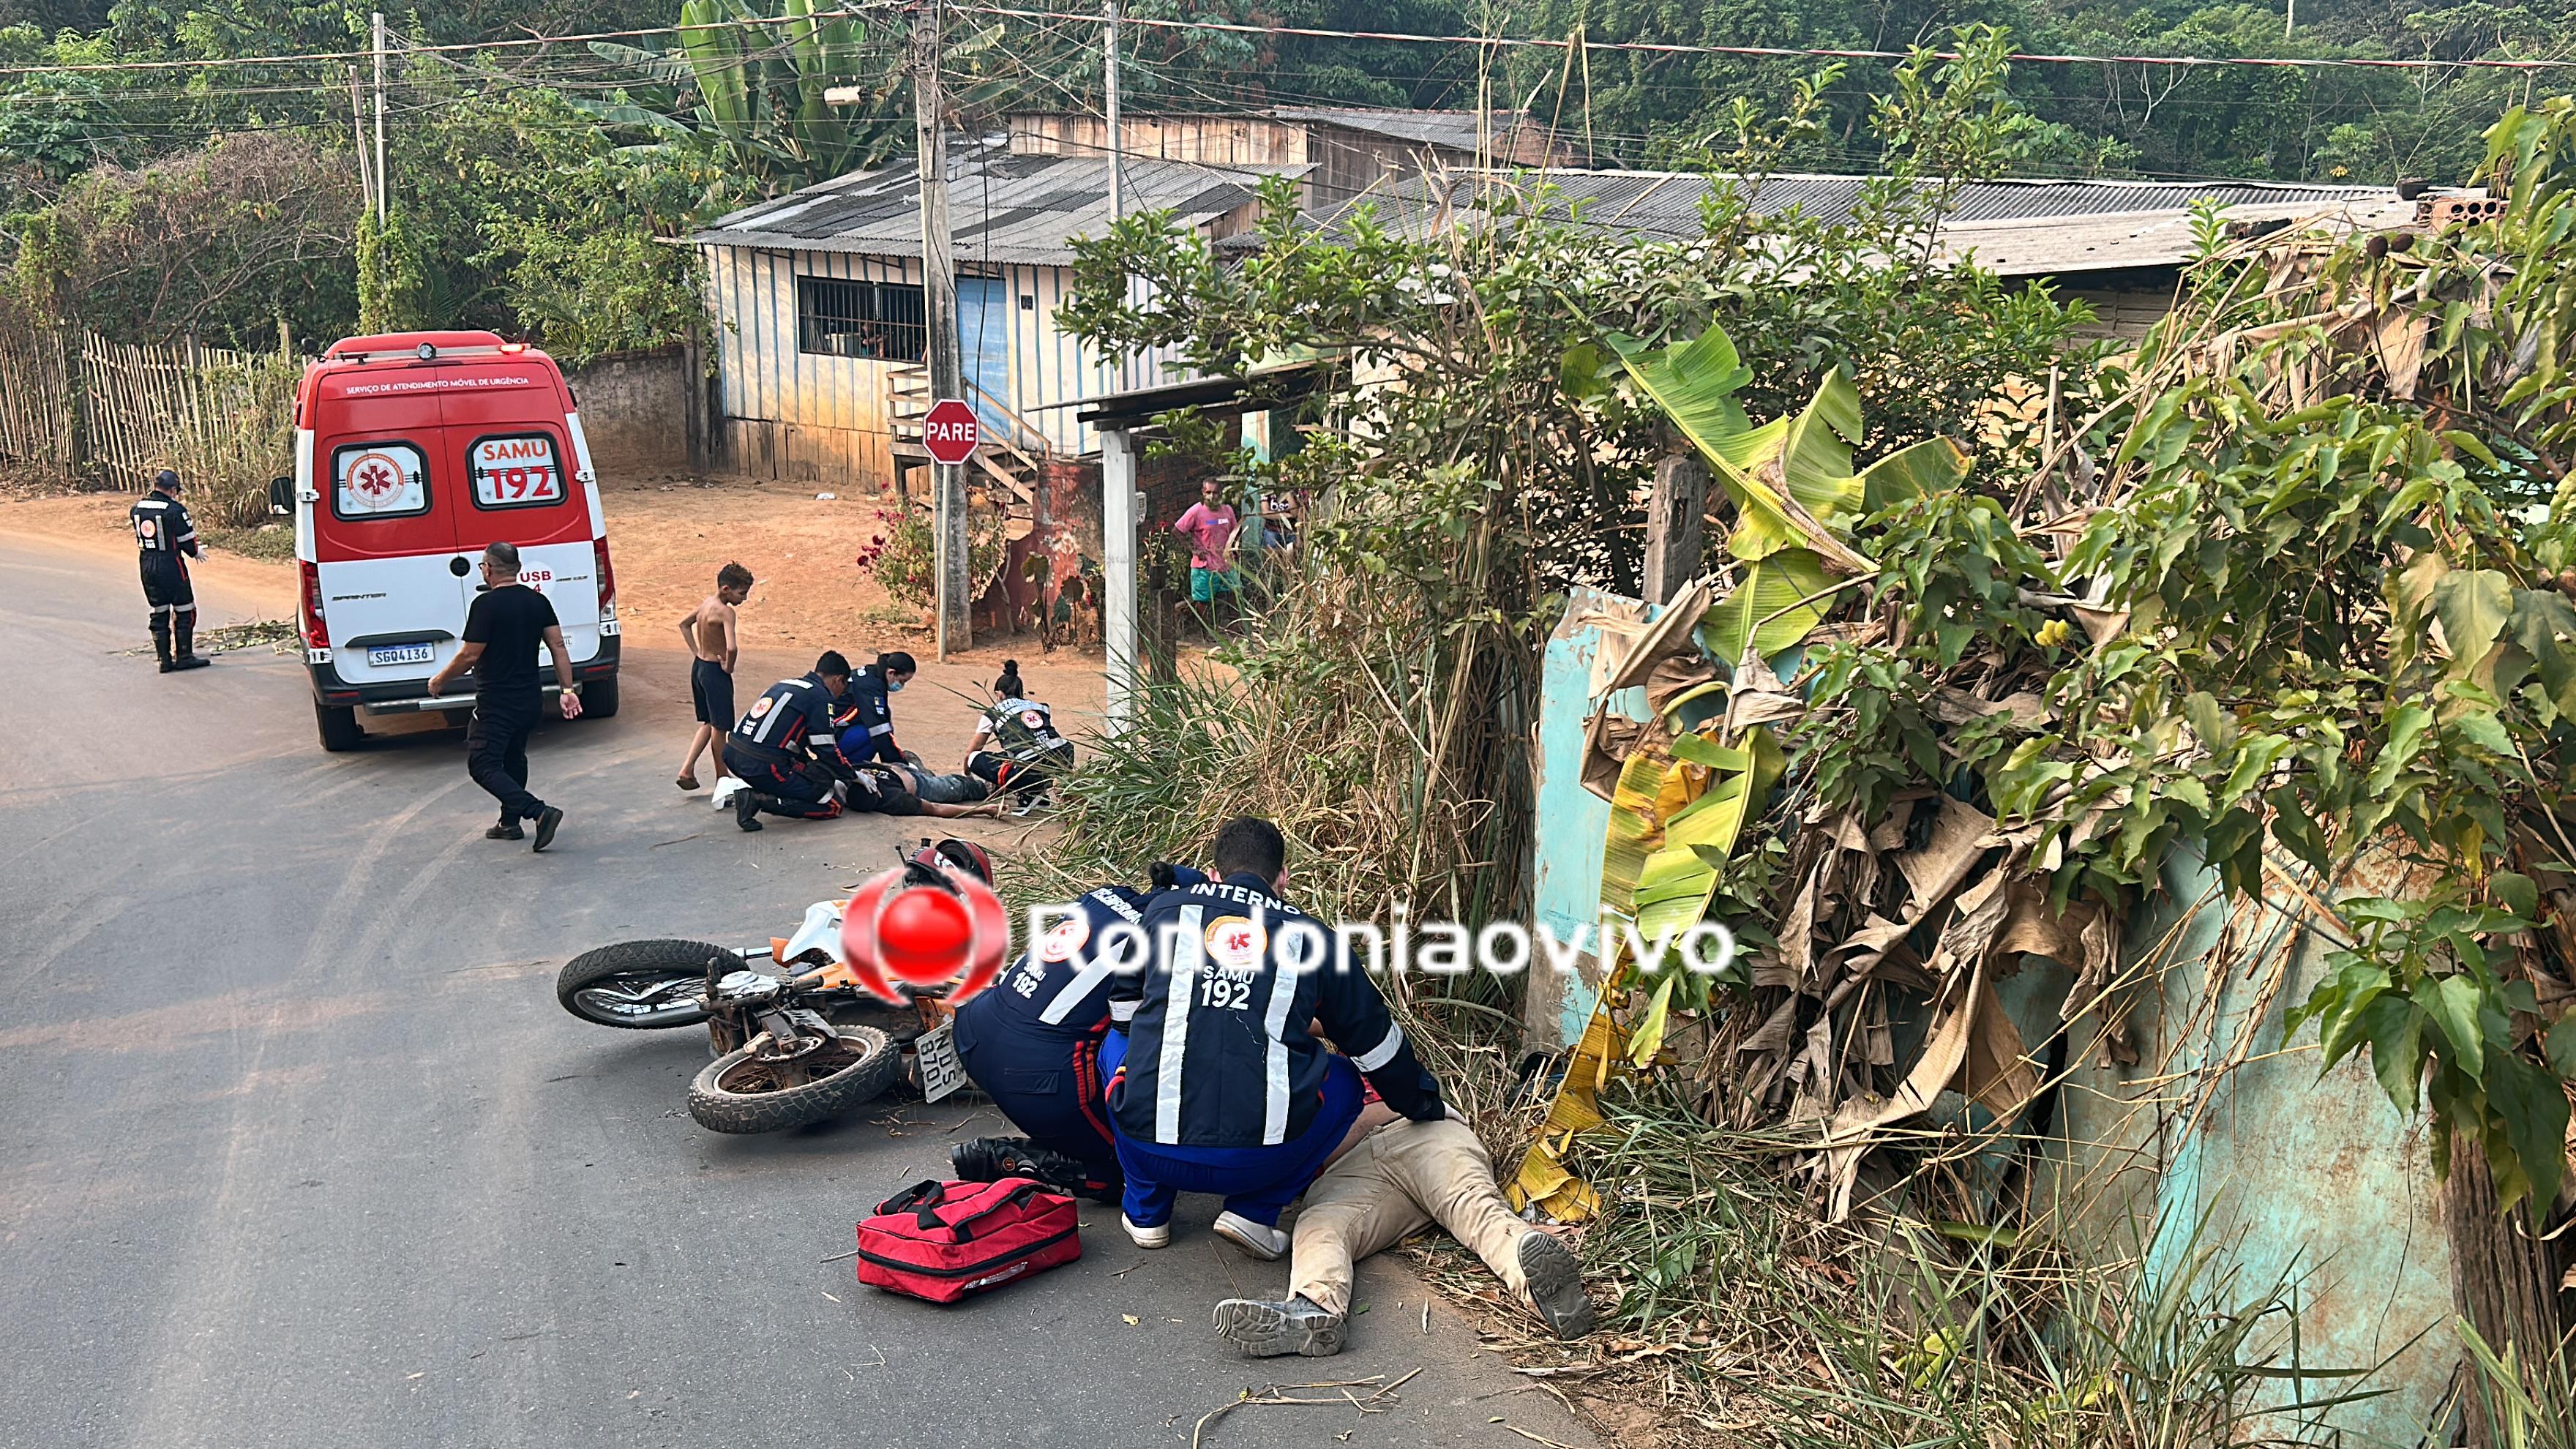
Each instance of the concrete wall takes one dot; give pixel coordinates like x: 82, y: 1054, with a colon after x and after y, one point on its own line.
x: 634, y: 408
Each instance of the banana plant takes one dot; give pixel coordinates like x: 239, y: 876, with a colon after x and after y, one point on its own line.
x: 1791, y: 480
x: 752, y: 88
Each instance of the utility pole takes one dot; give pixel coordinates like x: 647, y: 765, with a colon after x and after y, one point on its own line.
x: 1109, y: 59
x: 384, y: 191
x: 358, y: 128
x: 939, y: 326
x: 1117, y: 158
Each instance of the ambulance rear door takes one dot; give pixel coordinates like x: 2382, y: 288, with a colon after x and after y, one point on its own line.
x: 384, y: 544
x: 520, y: 484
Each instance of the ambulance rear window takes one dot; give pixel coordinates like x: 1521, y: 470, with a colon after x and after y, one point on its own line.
x: 516, y: 470
x: 387, y: 478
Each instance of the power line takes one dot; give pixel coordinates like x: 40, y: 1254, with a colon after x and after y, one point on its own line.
x: 850, y: 9
x: 1774, y: 52
x: 854, y: 8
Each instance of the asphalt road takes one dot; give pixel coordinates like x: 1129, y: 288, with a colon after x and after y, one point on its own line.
x: 298, y: 1149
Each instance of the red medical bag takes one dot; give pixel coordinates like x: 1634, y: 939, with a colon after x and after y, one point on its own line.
x: 946, y: 1240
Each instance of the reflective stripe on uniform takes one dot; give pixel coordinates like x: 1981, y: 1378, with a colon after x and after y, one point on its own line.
x: 1274, y: 1025
x: 1183, y: 986
x: 1384, y: 1052
x: 1065, y: 1000
x: 1113, y: 901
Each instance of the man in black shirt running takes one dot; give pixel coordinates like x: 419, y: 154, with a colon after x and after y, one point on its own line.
x: 502, y: 631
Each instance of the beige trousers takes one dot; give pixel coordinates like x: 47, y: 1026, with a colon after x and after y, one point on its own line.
x: 1397, y: 1181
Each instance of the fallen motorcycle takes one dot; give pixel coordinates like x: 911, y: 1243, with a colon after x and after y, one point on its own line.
x: 781, y: 1061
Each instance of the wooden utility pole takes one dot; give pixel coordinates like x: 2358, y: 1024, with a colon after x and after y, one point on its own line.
x: 358, y: 128
x: 1675, y: 525
x: 939, y: 325
x: 384, y: 191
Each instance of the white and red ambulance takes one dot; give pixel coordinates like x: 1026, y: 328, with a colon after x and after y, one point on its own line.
x: 412, y: 451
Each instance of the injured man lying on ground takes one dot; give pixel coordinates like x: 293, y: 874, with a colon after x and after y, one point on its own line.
x: 1397, y: 1179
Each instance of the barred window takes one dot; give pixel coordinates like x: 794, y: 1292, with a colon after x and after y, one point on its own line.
x: 879, y: 320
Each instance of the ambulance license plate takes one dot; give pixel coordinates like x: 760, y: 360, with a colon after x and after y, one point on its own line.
x: 934, y: 1056
x: 381, y: 655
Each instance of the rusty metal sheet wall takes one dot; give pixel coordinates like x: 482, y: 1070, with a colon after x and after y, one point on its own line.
x: 2220, y: 1141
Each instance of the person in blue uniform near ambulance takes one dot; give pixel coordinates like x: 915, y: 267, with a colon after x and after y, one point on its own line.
x: 1044, y: 1038
x: 165, y: 540
x: 1225, y: 1089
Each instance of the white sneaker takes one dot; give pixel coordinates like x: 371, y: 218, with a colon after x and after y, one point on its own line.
x: 1153, y: 1237
x: 1267, y: 1244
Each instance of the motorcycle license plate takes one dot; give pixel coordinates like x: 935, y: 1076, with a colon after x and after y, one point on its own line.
x: 934, y: 1056
x: 383, y: 654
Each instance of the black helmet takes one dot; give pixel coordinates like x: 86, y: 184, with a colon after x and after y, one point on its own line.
x: 166, y: 480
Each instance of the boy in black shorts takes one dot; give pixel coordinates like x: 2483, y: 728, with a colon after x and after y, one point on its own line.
x: 714, y: 639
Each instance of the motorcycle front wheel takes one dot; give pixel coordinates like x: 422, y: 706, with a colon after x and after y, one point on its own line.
x: 641, y: 985
x: 738, y: 1092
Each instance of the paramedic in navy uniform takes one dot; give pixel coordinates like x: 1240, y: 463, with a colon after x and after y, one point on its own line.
x: 875, y: 718
x: 166, y: 541
x: 1225, y: 1090
x: 788, y: 728
x: 1043, y: 1040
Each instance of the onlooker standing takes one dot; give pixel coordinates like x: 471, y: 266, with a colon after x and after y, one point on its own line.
x: 1210, y: 526
x: 502, y: 631
x: 714, y: 639
x: 165, y: 540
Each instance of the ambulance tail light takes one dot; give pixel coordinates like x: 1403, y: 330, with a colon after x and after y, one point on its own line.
x: 317, y: 633
x: 607, y: 577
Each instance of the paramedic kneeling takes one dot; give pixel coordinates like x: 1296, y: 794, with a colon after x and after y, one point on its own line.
x: 787, y: 730
x: 1224, y: 1089
x: 1036, y: 1044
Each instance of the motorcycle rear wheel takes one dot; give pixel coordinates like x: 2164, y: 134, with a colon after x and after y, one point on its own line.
x: 739, y: 1093
x: 641, y: 985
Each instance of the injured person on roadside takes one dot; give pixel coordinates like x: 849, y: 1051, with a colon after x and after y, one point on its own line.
x: 1394, y: 1178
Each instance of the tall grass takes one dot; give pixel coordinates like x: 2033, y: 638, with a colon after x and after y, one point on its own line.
x: 2525, y: 1405
x: 1377, y: 715
x: 1908, y: 1329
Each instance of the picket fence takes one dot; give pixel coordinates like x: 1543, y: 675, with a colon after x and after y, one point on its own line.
x: 118, y: 412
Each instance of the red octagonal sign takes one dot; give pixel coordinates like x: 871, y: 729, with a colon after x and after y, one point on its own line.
x: 950, y: 432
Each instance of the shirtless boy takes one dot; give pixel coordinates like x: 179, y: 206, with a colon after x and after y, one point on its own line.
x: 713, y: 640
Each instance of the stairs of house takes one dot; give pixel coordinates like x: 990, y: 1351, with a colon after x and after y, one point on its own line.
x: 1009, y: 466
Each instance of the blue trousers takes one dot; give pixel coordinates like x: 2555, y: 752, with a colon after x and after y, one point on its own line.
x: 1256, y: 1182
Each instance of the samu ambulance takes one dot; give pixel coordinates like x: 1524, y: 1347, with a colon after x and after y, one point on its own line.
x: 412, y: 451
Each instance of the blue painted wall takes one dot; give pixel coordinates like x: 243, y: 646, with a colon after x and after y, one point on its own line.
x: 1566, y: 885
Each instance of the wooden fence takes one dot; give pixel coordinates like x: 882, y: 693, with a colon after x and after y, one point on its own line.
x: 120, y: 412
x: 37, y: 418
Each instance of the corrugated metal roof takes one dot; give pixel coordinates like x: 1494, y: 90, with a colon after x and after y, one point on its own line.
x: 1001, y: 208
x: 1452, y: 130
x: 2014, y: 226
x: 2062, y: 245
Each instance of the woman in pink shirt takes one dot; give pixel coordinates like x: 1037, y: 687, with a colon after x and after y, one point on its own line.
x: 1210, y: 526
